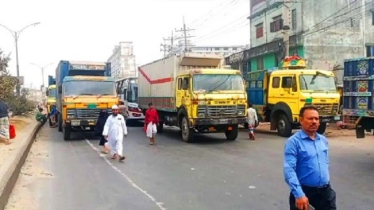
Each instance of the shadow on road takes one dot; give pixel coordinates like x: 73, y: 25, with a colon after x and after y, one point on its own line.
x: 209, y: 138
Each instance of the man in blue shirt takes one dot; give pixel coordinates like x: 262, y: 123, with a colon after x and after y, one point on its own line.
x: 306, y: 165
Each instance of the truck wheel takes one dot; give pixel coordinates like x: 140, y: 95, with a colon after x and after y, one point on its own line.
x: 284, y: 126
x: 160, y: 128
x: 322, y: 128
x: 66, y: 131
x: 233, y: 134
x: 187, y: 133
x: 59, y: 122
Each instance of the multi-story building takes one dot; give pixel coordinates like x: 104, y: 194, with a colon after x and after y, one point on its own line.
x: 218, y: 50
x: 122, y: 61
x: 325, y: 33
x: 35, y: 95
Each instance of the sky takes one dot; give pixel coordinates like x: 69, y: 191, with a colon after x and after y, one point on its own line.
x: 88, y: 30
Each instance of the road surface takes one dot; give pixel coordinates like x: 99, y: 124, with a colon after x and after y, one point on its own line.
x: 211, y: 174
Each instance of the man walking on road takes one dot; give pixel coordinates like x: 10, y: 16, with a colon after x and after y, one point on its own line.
x: 306, y: 166
x: 150, y: 123
x: 114, y: 131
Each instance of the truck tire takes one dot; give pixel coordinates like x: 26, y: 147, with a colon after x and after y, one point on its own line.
x: 187, y: 133
x: 160, y: 127
x: 322, y: 128
x: 59, y: 117
x: 66, y: 131
x: 233, y: 134
x: 284, y: 126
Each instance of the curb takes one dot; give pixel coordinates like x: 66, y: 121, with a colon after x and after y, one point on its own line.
x: 11, y: 170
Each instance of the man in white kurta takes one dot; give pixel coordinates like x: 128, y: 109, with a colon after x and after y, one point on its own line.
x: 115, y: 130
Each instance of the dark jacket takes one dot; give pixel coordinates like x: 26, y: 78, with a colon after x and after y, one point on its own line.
x: 103, y: 116
x: 3, y: 110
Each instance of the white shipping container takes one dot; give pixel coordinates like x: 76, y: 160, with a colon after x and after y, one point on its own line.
x: 158, y: 79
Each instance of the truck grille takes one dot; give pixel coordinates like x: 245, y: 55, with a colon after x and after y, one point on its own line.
x: 218, y: 111
x: 86, y: 113
x: 326, y: 108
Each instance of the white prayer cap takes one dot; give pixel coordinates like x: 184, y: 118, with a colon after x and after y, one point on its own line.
x: 115, y: 107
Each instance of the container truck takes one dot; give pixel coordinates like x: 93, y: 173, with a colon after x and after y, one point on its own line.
x: 51, y: 93
x: 194, y: 93
x: 278, y: 95
x: 83, y: 91
x: 358, y: 102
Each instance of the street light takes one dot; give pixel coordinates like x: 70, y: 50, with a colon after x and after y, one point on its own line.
x: 16, y: 35
x: 42, y: 69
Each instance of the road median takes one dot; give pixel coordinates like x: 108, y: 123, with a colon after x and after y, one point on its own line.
x: 16, y: 155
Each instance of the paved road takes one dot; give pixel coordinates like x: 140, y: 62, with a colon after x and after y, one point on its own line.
x: 212, y: 174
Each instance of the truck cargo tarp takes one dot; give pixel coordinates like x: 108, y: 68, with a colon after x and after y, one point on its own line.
x: 201, y: 62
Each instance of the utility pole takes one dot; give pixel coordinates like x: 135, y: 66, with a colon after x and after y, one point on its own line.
x: 286, y: 27
x: 170, y: 49
x: 16, y: 35
x: 164, y: 48
x: 186, y: 36
x: 363, y: 3
x: 42, y: 70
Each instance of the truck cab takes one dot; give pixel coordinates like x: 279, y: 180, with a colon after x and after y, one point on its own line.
x: 279, y: 95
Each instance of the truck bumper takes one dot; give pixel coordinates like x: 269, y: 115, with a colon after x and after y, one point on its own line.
x: 81, y: 122
x: 224, y: 121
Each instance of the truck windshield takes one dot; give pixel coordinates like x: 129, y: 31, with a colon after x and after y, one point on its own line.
x: 317, y: 83
x: 74, y: 88
x: 52, y: 93
x: 220, y: 82
x: 133, y: 93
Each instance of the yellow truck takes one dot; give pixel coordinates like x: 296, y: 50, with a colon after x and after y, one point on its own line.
x: 83, y: 91
x: 279, y: 95
x: 51, y: 100
x: 193, y: 92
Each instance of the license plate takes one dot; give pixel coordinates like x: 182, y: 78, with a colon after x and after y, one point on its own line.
x: 325, y: 120
x: 337, y: 118
x: 223, y: 121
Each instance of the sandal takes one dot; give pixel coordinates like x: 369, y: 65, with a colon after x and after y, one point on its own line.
x: 114, y: 156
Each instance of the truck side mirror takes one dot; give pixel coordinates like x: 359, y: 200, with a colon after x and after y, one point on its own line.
x: 47, y: 93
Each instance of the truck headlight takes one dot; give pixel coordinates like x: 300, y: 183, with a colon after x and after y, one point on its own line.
x: 71, y: 116
x: 202, y: 102
x: 201, y: 115
x: 240, y: 113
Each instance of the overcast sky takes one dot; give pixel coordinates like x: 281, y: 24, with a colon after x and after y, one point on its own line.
x: 89, y: 29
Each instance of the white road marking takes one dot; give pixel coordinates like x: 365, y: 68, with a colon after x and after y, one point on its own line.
x: 133, y: 184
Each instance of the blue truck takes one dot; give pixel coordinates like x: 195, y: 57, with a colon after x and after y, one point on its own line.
x: 83, y: 91
x: 358, y: 101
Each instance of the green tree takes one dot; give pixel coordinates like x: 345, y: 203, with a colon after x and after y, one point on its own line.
x: 17, y: 104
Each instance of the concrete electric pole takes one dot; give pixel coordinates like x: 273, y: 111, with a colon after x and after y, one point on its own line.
x: 286, y: 27
x: 186, y: 36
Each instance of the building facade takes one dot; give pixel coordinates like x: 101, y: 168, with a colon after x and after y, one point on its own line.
x: 122, y: 61
x: 217, y: 50
x: 325, y: 33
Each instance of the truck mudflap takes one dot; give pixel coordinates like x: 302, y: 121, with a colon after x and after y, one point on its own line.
x: 225, y: 121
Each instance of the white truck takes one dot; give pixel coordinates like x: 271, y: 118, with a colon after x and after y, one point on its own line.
x: 195, y: 93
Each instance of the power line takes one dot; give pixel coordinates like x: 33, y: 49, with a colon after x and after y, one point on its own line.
x: 204, y: 18
x: 227, y: 9
x: 345, y: 20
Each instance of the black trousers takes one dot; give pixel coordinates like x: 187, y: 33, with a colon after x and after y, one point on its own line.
x: 322, y: 198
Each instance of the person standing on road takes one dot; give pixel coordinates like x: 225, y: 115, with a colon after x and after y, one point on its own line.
x: 252, y: 121
x: 100, y: 123
x: 306, y: 165
x: 115, y: 130
x: 4, y: 123
x: 150, y: 123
